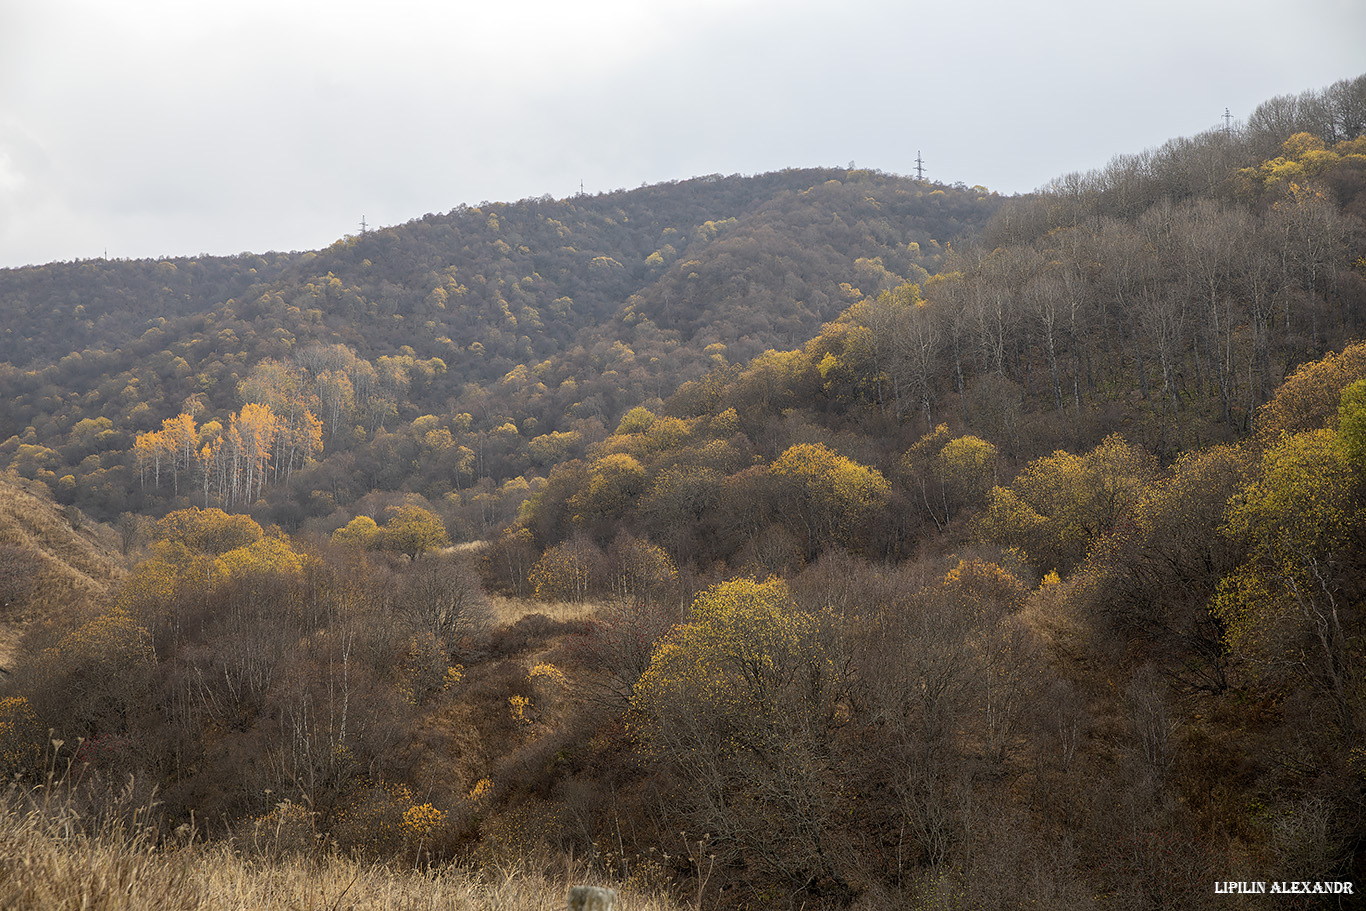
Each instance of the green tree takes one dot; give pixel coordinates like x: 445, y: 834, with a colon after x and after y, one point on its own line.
x: 1352, y: 424
x: 637, y: 420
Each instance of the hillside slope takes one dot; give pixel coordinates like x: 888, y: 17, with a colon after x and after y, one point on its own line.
x: 52, y: 561
x: 538, y: 315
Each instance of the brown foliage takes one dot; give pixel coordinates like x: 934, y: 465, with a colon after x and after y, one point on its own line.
x: 441, y: 596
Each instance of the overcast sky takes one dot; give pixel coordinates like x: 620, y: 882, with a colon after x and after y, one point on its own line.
x: 150, y: 128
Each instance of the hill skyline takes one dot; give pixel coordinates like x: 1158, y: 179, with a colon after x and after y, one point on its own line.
x: 888, y: 543
x: 343, y: 114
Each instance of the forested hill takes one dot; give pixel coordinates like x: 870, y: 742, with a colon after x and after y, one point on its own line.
x: 1161, y: 300
x: 1038, y: 581
x: 531, y: 318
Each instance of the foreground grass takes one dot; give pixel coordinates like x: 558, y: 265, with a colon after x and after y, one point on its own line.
x: 51, y: 858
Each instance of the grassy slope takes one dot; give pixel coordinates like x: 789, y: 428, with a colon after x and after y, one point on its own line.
x: 75, y: 562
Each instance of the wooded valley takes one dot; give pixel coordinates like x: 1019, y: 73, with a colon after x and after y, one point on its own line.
x: 816, y: 539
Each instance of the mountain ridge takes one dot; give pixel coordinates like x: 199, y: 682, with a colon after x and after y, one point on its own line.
x: 552, y: 310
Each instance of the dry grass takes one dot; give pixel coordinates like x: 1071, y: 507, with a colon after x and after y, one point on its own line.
x: 10, y: 633
x: 467, y: 547
x: 80, y: 559
x: 505, y: 611
x: 78, y: 562
x: 340, y: 883
x: 50, y: 859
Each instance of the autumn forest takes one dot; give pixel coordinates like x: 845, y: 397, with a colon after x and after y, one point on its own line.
x: 816, y: 539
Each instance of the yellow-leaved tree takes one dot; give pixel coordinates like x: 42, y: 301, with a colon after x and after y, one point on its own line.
x: 1155, y: 575
x: 947, y: 474
x: 103, y: 669
x: 1060, y: 505
x: 615, y: 481
x: 266, y: 556
x: 21, y: 738
x: 186, y: 546
x: 412, y: 531
x: 1287, y: 607
x: 740, y: 704
x: 209, y: 530
x: 361, y: 532
x: 567, y: 571
x: 829, y: 497
x: 196, y: 552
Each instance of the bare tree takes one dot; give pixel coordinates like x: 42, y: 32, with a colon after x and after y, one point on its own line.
x: 442, y: 596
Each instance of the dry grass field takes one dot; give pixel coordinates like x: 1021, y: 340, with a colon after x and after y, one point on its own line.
x: 53, y: 858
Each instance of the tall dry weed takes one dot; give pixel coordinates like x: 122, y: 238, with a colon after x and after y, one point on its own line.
x: 55, y: 856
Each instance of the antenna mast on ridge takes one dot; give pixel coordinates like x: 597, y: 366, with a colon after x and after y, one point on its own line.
x: 363, y: 225
x: 1228, y: 123
x: 919, y: 166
